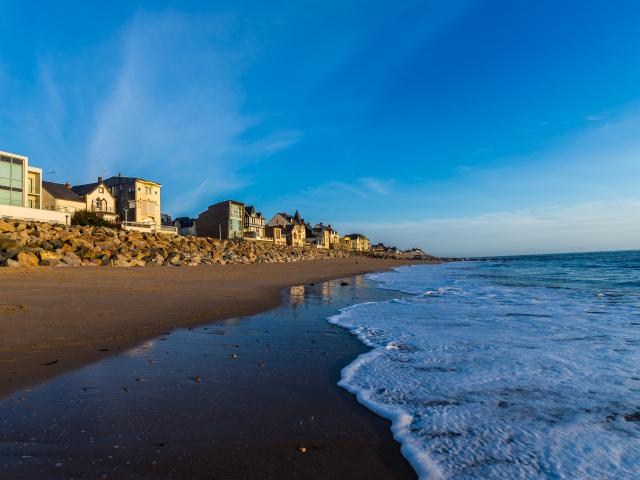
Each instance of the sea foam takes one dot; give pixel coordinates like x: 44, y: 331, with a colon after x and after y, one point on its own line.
x: 500, y: 370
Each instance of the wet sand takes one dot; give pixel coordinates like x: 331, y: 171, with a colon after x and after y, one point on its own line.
x: 243, y: 398
x: 53, y: 320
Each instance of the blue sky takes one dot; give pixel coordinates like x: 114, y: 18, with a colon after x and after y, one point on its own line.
x: 463, y: 127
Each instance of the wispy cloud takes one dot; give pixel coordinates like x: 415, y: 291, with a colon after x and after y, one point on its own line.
x: 162, y: 99
x: 603, y: 225
x: 175, y: 109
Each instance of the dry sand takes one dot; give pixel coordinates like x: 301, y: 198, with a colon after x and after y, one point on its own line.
x: 53, y: 320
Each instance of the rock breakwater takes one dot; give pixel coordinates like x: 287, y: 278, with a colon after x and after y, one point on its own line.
x: 41, y: 244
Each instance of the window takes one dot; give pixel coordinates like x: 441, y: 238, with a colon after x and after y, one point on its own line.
x: 147, y: 190
x: 30, y: 185
x: 101, y: 190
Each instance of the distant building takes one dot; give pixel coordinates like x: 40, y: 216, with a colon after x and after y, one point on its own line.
x: 165, y: 219
x: 356, y: 242
x: 254, y: 225
x: 97, y: 198
x: 137, y: 200
x: 224, y: 220
x: 185, y: 225
x: 276, y: 234
x: 293, y: 226
x: 321, y: 236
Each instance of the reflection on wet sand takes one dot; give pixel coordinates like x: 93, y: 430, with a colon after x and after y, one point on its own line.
x: 234, y: 399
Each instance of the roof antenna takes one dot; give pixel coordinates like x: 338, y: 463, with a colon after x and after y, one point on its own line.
x: 51, y: 173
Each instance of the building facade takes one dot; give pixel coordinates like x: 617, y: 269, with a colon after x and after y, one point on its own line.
x: 137, y: 200
x: 224, y: 220
x: 293, y: 227
x: 20, y: 183
x: 254, y: 224
x: 276, y: 234
x: 356, y: 242
x: 97, y: 198
x: 185, y: 226
x: 59, y: 197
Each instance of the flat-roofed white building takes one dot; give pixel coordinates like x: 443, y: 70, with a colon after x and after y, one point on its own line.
x: 20, y: 183
x: 21, y: 191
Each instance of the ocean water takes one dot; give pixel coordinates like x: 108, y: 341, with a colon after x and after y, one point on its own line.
x: 527, y: 367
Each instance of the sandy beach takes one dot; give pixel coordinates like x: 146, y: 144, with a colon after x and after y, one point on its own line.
x: 53, y: 320
x: 265, y: 402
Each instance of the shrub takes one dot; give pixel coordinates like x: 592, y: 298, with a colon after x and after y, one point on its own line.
x: 86, y: 218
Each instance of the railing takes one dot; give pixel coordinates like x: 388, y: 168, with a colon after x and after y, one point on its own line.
x: 102, y: 210
x: 149, y: 227
x: 146, y: 225
x: 169, y: 229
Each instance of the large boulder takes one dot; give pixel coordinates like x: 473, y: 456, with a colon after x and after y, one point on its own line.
x: 27, y: 259
x: 71, y: 259
x: 7, y: 227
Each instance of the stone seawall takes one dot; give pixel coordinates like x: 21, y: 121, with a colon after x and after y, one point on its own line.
x: 41, y: 244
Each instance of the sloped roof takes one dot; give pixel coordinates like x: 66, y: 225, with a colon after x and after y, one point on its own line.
x: 60, y: 191
x: 86, y: 188
x: 356, y: 235
x: 251, y: 210
x: 185, y: 222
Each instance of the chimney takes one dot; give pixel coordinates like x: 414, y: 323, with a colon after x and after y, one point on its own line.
x: 119, y: 174
x: 100, y: 179
x: 67, y: 186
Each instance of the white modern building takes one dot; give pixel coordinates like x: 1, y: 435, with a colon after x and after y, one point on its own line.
x: 21, y: 191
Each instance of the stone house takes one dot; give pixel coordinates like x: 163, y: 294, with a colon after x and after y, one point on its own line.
x: 293, y: 226
x: 356, y: 242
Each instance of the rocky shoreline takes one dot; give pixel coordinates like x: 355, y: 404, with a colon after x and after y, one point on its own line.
x: 42, y: 244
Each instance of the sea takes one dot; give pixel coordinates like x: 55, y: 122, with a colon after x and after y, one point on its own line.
x: 521, y: 367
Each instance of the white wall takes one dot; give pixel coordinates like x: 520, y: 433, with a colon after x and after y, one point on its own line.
x: 35, y: 214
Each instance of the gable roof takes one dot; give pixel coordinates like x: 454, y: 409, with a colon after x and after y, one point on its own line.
x: 61, y: 192
x: 251, y: 211
x: 84, y: 189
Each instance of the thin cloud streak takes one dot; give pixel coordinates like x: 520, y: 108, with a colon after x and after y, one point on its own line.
x: 591, y: 226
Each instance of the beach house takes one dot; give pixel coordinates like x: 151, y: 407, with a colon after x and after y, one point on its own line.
x: 276, y: 234
x: 59, y: 197
x: 293, y: 227
x: 254, y: 224
x: 223, y: 220
x: 356, y: 242
x: 97, y: 198
x: 20, y: 183
x: 185, y: 225
x: 137, y: 200
x: 21, y: 191
x: 321, y: 236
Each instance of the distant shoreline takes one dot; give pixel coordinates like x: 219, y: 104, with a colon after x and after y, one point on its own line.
x: 56, y: 320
